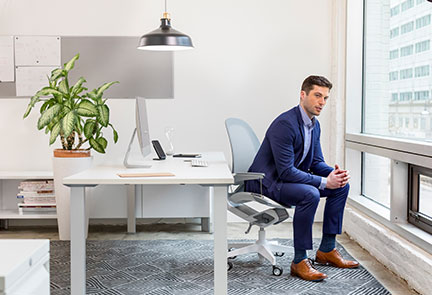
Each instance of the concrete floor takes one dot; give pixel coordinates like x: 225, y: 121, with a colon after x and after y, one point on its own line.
x: 235, y: 231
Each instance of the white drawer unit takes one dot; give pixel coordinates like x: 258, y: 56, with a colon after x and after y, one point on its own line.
x: 24, y: 267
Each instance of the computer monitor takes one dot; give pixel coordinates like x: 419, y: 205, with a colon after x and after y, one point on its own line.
x: 142, y: 126
x: 142, y: 130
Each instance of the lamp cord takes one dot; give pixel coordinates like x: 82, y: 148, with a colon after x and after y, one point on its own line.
x: 165, y: 5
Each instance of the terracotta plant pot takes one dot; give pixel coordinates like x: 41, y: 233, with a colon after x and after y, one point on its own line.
x: 67, y: 163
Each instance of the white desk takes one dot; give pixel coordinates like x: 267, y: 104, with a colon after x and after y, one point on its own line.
x: 24, y: 267
x: 217, y: 175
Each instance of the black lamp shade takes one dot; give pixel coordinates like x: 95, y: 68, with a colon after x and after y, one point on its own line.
x: 165, y: 38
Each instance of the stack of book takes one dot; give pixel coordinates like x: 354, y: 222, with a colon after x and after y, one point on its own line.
x: 36, y: 196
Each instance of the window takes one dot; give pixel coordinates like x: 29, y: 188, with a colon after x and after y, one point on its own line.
x: 423, y: 21
x: 393, y: 75
x: 394, y: 54
x: 394, y: 11
x: 420, y: 1
x: 376, y: 179
x: 422, y: 71
x: 423, y: 123
x: 406, y: 74
x: 407, y: 50
x: 420, y: 199
x: 422, y: 46
x: 406, y: 28
x: 406, y: 96
x: 421, y: 95
x: 394, y: 32
x: 407, y: 4
x: 396, y: 111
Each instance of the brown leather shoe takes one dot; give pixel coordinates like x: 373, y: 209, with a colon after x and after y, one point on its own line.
x: 306, y: 271
x: 334, y: 258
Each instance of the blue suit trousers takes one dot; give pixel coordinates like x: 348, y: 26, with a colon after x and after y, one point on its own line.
x: 305, y: 198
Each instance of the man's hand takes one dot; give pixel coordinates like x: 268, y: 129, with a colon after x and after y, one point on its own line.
x: 337, y: 178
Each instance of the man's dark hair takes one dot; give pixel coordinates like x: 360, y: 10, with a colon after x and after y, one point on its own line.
x: 309, y: 82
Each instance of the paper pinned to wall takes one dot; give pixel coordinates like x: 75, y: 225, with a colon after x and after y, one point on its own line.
x: 31, y: 79
x: 7, y: 68
x: 37, y: 50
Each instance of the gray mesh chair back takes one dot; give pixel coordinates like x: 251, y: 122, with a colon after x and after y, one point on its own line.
x: 244, y: 144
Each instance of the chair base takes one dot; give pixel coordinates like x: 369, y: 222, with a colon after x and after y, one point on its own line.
x: 262, y: 247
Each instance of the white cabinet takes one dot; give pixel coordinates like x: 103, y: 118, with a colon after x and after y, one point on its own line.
x: 24, y: 267
x: 9, y: 181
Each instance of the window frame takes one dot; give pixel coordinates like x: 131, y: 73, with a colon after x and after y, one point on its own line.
x: 414, y: 216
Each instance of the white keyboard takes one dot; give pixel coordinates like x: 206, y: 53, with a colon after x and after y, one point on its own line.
x: 198, y: 163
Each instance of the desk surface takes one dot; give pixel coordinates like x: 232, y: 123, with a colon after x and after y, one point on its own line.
x: 217, y: 172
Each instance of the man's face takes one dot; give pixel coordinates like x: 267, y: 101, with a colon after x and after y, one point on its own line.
x: 314, y: 102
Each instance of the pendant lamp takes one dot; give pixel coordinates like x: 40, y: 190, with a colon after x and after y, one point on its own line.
x: 165, y: 38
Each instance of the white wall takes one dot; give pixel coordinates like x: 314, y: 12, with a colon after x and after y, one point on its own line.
x: 249, y: 62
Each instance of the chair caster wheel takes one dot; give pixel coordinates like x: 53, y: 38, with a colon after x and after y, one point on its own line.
x: 229, y: 265
x: 229, y: 250
x: 279, y: 254
x: 277, y: 270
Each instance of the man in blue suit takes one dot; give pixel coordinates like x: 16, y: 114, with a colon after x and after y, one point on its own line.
x: 296, y: 174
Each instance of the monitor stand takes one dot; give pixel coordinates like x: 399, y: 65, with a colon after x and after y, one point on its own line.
x: 126, y: 158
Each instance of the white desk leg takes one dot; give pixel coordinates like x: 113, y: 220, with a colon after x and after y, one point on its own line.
x: 131, y: 207
x: 220, y: 240
x: 78, y: 241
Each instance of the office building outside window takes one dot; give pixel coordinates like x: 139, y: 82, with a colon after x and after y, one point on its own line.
x: 422, y: 46
x: 397, y: 99
x: 407, y: 4
x: 406, y: 50
x: 423, y: 21
x: 394, y: 54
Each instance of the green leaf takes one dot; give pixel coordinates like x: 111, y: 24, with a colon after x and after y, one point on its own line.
x: 55, y: 74
x: 35, y: 99
x: 54, y: 133
x: 103, y: 117
x: 46, y: 105
x: 87, y: 109
x: 96, y: 145
x: 77, y: 86
x: 104, y: 87
x: 79, y: 127
x: 68, y: 123
x: 102, y: 141
x: 89, y: 128
x: 63, y: 87
x: 115, y: 134
x: 47, y: 91
x: 28, y: 110
x: 48, y: 115
x: 70, y: 64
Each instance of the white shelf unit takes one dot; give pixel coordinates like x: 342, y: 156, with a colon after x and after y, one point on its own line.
x: 9, y: 181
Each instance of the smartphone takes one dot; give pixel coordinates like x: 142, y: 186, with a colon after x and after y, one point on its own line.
x: 159, y: 150
x: 187, y: 155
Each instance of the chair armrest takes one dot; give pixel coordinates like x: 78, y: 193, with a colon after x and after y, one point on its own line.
x: 241, y: 177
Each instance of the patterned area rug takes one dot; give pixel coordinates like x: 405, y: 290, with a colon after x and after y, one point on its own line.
x: 185, y: 267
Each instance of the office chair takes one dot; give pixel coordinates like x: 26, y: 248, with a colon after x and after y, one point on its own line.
x: 244, y: 146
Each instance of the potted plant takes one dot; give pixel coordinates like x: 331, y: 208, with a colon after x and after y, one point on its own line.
x: 78, y: 118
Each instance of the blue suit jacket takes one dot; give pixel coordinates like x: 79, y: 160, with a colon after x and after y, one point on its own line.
x: 281, y: 151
